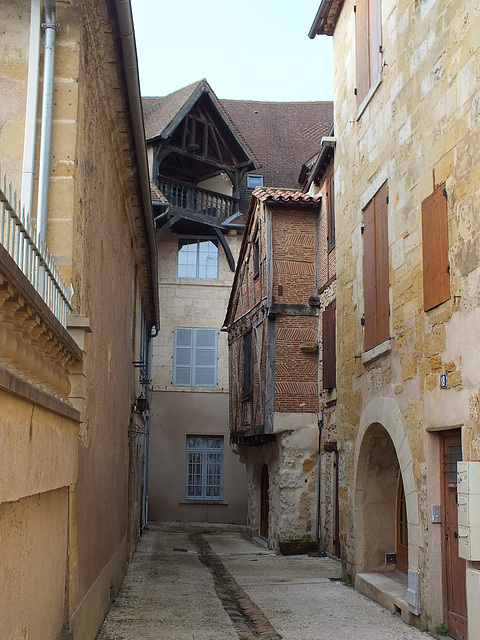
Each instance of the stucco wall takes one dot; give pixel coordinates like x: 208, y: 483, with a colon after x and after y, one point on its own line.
x: 34, y: 534
x: 174, y: 415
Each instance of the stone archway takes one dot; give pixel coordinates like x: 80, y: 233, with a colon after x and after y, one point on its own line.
x: 381, y: 453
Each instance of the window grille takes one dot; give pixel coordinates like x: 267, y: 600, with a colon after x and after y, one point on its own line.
x: 204, y: 468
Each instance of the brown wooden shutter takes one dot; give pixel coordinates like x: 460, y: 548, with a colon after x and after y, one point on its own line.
x: 362, y: 49
x: 375, y: 40
x: 436, y: 276
x: 369, y: 275
x: 382, y: 311
x: 329, y: 349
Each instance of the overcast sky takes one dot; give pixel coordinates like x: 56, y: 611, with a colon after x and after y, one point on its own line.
x: 246, y: 49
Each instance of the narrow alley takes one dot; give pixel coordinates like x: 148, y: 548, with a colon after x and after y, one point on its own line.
x: 211, y: 582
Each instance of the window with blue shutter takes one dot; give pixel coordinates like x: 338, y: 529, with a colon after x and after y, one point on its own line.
x: 195, y: 357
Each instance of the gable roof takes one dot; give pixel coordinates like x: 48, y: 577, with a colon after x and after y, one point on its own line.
x: 280, y: 136
x: 163, y: 115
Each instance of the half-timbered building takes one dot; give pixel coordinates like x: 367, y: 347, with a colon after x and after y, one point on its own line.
x: 273, y: 327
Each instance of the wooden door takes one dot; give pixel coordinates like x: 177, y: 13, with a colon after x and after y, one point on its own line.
x: 402, y: 528
x: 455, y: 597
x: 264, y: 502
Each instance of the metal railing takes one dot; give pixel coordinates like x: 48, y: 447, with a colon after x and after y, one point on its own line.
x: 19, y: 237
x: 197, y: 200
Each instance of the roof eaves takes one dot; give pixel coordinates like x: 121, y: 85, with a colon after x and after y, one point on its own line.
x: 269, y: 194
x: 326, y: 18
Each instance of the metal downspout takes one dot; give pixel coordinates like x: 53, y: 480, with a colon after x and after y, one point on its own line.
x: 319, y: 460
x: 31, y: 109
x: 50, y: 25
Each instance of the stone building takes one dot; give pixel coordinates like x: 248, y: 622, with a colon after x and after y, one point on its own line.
x: 318, y: 179
x: 273, y: 329
x: 407, y: 236
x: 74, y: 338
x: 206, y: 156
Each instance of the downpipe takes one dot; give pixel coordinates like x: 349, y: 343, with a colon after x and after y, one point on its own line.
x: 50, y: 25
x: 319, y: 460
x: 31, y: 108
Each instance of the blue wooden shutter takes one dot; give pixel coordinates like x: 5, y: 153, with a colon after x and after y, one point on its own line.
x: 205, y: 354
x: 182, y: 361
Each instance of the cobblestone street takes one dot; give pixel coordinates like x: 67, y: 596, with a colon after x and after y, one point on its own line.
x: 206, y: 582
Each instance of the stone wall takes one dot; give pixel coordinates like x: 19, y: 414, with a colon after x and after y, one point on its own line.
x: 71, y: 459
x: 418, y: 130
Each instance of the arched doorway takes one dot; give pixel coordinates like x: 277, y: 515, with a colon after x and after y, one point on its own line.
x: 376, y: 492
x: 264, y: 501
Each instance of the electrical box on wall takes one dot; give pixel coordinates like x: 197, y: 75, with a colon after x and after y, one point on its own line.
x: 468, y: 499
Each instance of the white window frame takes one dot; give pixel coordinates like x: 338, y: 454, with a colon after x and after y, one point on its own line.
x: 204, y: 456
x: 195, y: 357
x: 198, y: 240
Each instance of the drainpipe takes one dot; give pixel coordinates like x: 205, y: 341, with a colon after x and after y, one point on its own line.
x: 50, y: 25
x: 31, y: 110
x: 320, y: 426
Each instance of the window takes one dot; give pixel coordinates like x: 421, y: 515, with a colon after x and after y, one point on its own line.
x: 368, y: 31
x: 198, y: 258
x: 247, y: 365
x: 436, y: 269
x: 329, y: 349
x: 254, y: 181
x: 375, y: 270
x: 204, y: 468
x: 195, y: 357
x: 330, y: 210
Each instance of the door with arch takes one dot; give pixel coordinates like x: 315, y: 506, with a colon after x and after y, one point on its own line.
x: 264, y: 501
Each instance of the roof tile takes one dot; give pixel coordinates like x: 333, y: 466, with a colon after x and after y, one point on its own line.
x: 265, y: 194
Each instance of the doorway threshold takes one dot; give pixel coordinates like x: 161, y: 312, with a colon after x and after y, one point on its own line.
x: 387, y: 589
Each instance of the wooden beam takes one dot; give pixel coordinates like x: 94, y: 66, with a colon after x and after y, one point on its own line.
x: 226, y: 248
x: 290, y: 309
x: 168, y: 225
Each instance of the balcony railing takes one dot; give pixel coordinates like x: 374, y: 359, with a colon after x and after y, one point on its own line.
x: 19, y: 237
x: 197, y: 200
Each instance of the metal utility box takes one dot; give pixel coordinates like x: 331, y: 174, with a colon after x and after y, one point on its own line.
x: 468, y: 499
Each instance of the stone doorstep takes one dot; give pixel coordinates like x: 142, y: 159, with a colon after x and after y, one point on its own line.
x: 387, y: 589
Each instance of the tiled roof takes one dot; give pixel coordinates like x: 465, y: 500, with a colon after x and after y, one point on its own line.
x: 159, y: 112
x: 157, y: 195
x: 282, y: 135
x: 265, y: 194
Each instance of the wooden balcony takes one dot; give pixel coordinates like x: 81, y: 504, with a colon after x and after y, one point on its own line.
x: 196, y: 202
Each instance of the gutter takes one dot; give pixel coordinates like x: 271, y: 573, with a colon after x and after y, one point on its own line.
x: 130, y: 61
